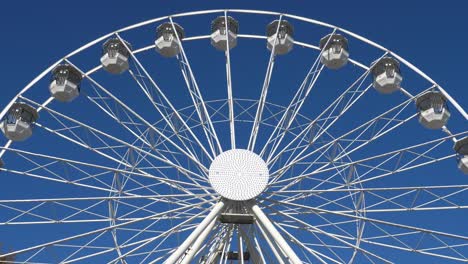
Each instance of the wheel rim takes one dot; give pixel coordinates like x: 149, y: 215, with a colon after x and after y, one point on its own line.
x: 178, y: 132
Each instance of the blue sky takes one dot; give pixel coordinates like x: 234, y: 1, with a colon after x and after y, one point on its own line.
x: 40, y: 34
x: 431, y: 36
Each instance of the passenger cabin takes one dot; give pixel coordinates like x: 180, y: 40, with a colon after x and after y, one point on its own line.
x: 18, y: 123
x: 219, y: 34
x: 433, y: 111
x: 280, y: 36
x: 387, y: 75
x: 335, y: 53
x: 65, y: 83
x: 167, y: 42
x: 115, y: 56
x: 461, y: 148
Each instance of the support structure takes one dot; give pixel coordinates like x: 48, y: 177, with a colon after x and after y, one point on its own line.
x: 273, y: 232
x: 157, y: 166
x: 198, y: 243
x: 188, y: 249
x: 195, y: 234
x: 271, y: 244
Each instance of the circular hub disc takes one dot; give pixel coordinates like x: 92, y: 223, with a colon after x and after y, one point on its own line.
x: 238, y: 174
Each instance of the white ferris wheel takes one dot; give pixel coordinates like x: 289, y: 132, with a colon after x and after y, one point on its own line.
x: 287, y: 140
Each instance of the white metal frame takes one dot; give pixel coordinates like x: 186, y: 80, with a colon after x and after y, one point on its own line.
x: 197, y: 198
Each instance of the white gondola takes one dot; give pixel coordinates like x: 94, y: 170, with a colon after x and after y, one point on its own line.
x: 387, y: 75
x: 335, y: 53
x: 461, y: 147
x: 433, y: 111
x: 115, y: 56
x: 18, y: 123
x: 65, y: 84
x: 167, y: 43
x: 219, y: 34
x: 281, y: 38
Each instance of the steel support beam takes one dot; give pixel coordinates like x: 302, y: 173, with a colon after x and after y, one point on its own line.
x: 198, y: 243
x: 195, y: 234
x: 273, y: 232
x: 274, y: 248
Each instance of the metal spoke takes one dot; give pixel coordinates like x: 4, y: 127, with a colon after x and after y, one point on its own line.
x: 388, y: 163
x: 378, y: 223
x: 294, y: 106
x: 160, y: 102
x: 197, y: 98
x: 390, y: 119
x: 92, y: 232
x: 333, y: 236
x: 263, y: 95
x: 232, y: 125
x: 127, y: 108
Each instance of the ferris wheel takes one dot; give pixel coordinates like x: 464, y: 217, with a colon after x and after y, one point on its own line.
x: 233, y: 136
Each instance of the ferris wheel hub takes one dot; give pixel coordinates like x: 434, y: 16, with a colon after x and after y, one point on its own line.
x: 238, y: 174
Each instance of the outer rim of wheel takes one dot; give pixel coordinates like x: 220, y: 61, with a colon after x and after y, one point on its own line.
x: 204, y: 12
x: 408, y: 64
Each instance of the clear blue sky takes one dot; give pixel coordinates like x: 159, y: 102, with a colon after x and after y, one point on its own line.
x: 432, y: 36
x: 429, y: 34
